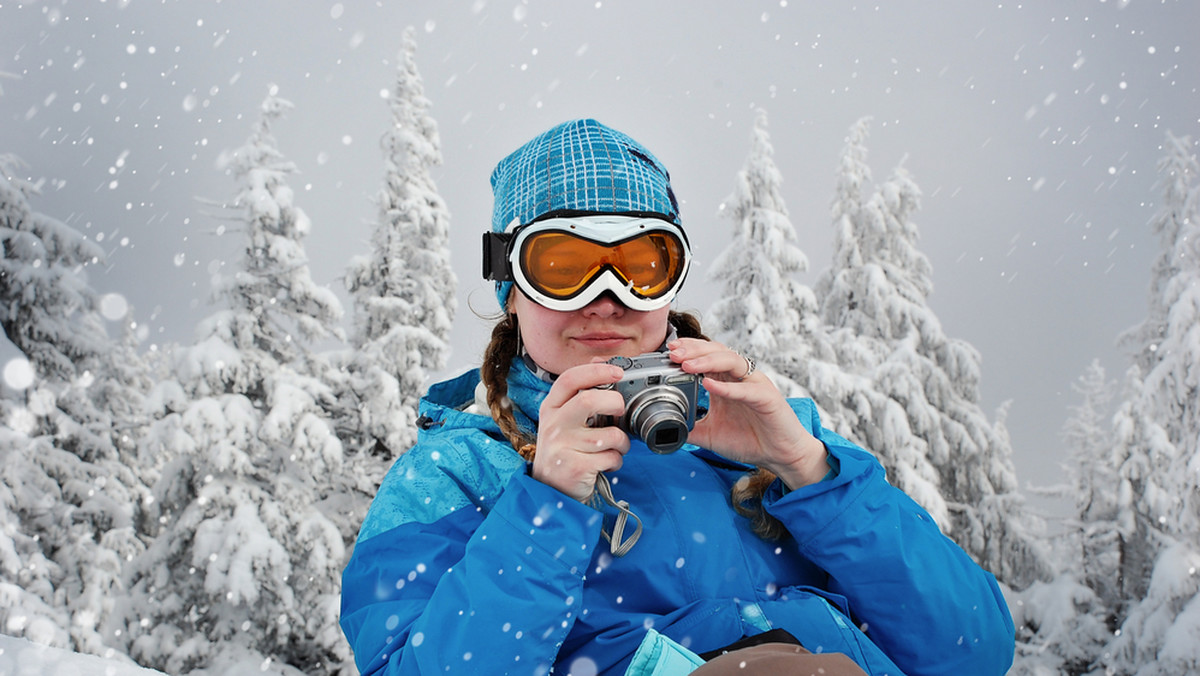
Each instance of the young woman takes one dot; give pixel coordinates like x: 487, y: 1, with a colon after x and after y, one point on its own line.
x: 532, y: 529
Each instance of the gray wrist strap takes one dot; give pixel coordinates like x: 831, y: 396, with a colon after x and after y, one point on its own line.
x: 616, y: 545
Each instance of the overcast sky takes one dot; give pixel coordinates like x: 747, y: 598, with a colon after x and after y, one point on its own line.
x: 1033, y: 129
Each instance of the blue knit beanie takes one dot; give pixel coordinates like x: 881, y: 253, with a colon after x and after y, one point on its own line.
x: 580, y: 165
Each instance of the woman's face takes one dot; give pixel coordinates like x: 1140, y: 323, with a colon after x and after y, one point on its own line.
x: 605, y: 328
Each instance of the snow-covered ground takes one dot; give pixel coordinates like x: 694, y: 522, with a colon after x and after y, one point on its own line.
x: 19, y: 657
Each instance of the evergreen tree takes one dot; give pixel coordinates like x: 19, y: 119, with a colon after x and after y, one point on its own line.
x: 29, y: 504
x: 122, y: 394
x: 1095, y: 536
x: 245, y: 565
x: 1158, y: 637
x: 922, y: 414
x: 1065, y: 625
x: 1060, y: 628
x: 404, y: 291
x: 1173, y: 222
x: 46, y: 305
x: 1157, y: 433
x: 843, y: 382
x: 835, y: 287
x: 1174, y: 374
x: 67, y: 503
x: 1141, y: 452
x: 275, y: 306
x: 763, y: 308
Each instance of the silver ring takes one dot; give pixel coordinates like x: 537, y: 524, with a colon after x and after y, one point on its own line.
x: 751, y: 367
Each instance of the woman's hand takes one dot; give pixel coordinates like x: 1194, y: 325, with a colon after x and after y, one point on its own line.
x: 748, y: 418
x: 570, y: 453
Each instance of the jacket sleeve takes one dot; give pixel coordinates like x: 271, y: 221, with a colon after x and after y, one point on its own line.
x: 481, y: 588
x: 919, y: 596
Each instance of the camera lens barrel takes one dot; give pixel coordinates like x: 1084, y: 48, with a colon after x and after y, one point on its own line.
x: 658, y: 416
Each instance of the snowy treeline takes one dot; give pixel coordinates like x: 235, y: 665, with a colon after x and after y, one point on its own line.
x: 190, y: 509
x: 1118, y: 592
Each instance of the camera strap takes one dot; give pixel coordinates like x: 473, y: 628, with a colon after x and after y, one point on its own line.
x: 617, y: 543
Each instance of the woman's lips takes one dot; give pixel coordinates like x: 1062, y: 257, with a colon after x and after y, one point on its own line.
x: 601, y: 340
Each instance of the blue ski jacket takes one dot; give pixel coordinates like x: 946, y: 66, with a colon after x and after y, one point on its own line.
x: 466, y: 564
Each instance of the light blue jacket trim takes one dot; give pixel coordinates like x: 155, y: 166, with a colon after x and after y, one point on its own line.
x: 660, y: 656
x: 754, y: 617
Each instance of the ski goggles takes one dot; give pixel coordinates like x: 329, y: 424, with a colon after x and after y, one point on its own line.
x: 566, y: 262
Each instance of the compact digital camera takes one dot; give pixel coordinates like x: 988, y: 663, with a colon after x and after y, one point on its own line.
x: 661, y: 401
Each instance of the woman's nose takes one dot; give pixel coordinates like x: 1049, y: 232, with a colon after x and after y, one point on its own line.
x: 606, y: 305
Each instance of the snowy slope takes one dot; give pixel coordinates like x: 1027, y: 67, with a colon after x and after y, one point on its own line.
x: 19, y: 657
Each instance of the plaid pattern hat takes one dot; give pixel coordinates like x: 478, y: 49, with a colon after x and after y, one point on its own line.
x: 580, y: 166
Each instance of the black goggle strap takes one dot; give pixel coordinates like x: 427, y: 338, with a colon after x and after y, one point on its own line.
x: 496, y: 264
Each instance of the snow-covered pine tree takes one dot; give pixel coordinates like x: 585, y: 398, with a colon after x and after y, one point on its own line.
x: 1158, y: 636
x: 28, y: 576
x: 1177, y: 171
x: 1060, y: 628
x: 69, y: 505
x: 762, y: 308
x: 848, y: 390
x: 1093, y: 552
x: 1173, y: 375
x: 46, y: 298
x: 1142, y: 453
x: 404, y: 290
x: 1064, y: 626
x: 246, y: 564
x: 1158, y: 442
x: 937, y: 444
x: 123, y: 395
x: 835, y: 292
x: 274, y: 304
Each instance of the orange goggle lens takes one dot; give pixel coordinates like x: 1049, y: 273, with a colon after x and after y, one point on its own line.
x: 561, y: 264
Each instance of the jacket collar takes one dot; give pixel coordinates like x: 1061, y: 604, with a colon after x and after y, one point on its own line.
x: 450, y: 401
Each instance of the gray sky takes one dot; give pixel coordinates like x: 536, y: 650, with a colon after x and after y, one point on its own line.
x: 1033, y: 129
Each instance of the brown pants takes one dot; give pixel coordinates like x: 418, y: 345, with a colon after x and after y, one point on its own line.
x: 778, y: 659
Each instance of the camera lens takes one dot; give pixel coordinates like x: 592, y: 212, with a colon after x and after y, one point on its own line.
x: 666, y: 437
x: 658, y: 417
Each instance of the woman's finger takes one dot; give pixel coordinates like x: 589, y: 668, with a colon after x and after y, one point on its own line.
x: 712, y: 359
x: 579, y: 378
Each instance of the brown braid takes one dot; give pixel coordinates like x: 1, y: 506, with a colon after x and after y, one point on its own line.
x: 746, y: 495
x: 497, y: 359
x: 687, y: 325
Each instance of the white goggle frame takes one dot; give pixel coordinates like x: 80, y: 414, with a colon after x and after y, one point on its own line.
x: 602, y: 229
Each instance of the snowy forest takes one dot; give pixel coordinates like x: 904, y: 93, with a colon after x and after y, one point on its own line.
x: 189, y: 508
